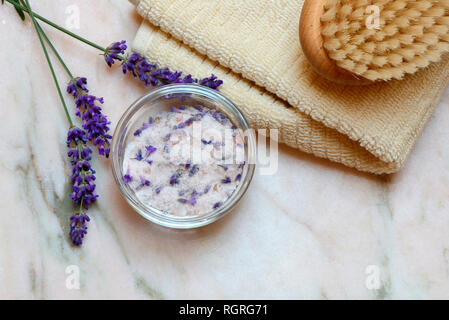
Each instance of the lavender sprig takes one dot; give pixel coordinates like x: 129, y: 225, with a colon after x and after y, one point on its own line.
x: 95, y: 122
x: 83, y: 186
x: 134, y: 63
x: 149, y: 73
x: 83, y: 182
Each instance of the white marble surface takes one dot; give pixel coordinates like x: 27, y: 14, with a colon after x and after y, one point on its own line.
x: 309, y: 231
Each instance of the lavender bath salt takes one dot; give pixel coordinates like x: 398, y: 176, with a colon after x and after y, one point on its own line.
x: 186, y: 162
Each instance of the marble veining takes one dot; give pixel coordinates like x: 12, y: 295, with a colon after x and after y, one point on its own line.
x: 313, y: 230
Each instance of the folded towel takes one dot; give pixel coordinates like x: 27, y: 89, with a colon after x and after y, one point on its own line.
x: 253, y: 47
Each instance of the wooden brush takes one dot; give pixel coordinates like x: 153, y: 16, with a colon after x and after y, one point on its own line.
x: 361, y: 41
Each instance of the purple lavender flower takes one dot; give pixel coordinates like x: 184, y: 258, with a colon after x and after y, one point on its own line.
x: 220, y: 117
x: 211, y: 82
x: 216, y: 205
x: 192, y: 201
x: 226, y: 180
x: 160, y: 77
x: 189, y: 121
x: 174, y: 179
x: 83, y: 185
x: 80, y: 85
x: 204, y: 141
x: 139, y: 155
x: 158, y: 190
x: 127, y: 177
x: 181, y: 125
x: 75, y: 154
x: 83, y: 182
x: 113, y: 51
x: 76, y: 135
x: 78, y: 228
x: 95, y: 122
x: 193, y: 170
x: 143, y: 183
x: 83, y: 176
x: 150, y: 150
x: 150, y: 74
x: 238, y: 177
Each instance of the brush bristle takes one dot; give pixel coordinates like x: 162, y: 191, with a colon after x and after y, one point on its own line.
x: 408, y: 35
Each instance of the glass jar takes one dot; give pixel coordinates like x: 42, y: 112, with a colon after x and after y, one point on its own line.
x: 162, y: 99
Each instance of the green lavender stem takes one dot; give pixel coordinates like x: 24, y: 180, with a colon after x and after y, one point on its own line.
x: 38, y: 31
x: 54, y: 25
x: 51, y: 67
x: 61, y: 61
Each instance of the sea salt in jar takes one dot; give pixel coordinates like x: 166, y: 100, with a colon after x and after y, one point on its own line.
x: 183, y: 155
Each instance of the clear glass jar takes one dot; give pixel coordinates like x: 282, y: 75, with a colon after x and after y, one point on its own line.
x: 161, y: 99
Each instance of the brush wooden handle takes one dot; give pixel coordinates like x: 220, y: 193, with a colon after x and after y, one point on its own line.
x: 312, y: 45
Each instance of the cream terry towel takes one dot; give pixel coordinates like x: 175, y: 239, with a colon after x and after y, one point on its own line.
x: 253, y: 47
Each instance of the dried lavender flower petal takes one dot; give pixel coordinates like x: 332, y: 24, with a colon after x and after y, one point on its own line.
x: 192, y: 201
x: 150, y: 149
x: 193, y: 170
x: 139, y: 155
x: 226, y: 180
x: 127, y: 177
x: 143, y: 183
x: 174, y: 179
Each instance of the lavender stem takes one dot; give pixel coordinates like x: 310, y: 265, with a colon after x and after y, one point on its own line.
x: 51, y: 67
